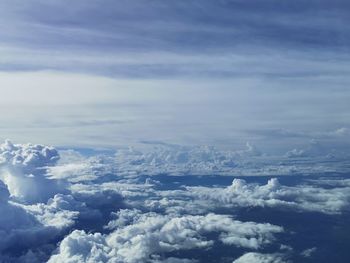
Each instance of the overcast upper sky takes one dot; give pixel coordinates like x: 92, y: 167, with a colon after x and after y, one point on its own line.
x: 107, y: 73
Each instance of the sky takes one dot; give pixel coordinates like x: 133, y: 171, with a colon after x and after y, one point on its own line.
x: 174, y: 131
x: 223, y: 73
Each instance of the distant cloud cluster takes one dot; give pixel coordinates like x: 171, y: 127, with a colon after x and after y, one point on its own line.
x: 200, y: 160
x: 273, y: 194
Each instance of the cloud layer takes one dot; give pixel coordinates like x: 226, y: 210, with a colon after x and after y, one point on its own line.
x: 302, y: 198
x: 120, y: 208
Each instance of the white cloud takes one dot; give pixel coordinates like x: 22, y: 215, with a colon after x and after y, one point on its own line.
x: 322, y: 196
x: 253, y: 257
x: 308, y: 252
x: 23, y: 170
x: 76, y: 168
x: 33, y: 227
x: 99, y: 185
x: 161, y: 158
x: 138, y: 192
x: 60, y: 212
x: 28, y: 225
x: 273, y: 194
x: 150, y: 234
x: 174, y: 260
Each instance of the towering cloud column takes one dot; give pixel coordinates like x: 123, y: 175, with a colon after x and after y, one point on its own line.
x: 23, y: 168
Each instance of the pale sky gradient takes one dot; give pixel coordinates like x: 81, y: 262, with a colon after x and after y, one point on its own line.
x: 189, y: 72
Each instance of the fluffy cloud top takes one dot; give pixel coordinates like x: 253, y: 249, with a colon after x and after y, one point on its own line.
x: 253, y: 257
x: 273, y: 194
x: 324, y: 196
x: 26, y: 228
x: 173, y: 159
x: 27, y: 156
x: 116, y: 212
x: 160, y: 158
x: 141, y: 237
x: 30, y: 228
x: 23, y: 169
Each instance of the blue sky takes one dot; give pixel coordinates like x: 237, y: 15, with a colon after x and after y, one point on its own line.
x: 108, y: 73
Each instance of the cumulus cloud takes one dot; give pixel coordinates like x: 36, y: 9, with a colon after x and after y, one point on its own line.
x: 23, y: 169
x: 116, y: 211
x: 33, y: 227
x: 34, y: 212
x: 140, y: 237
x: 177, y: 159
x: 273, y: 194
x: 139, y: 191
x: 322, y: 196
x: 61, y: 211
x: 308, y: 252
x: 174, y: 260
x: 74, y: 167
x: 253, y: 257
x: 161, y: 158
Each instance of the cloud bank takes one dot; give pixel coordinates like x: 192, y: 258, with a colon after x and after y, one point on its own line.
x: 112, y: 209
x: 273, y: 194
x: 149, y: 235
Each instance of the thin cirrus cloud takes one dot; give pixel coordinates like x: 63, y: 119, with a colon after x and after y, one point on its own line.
x: 142, y: 39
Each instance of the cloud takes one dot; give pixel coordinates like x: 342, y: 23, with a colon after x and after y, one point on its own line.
x: 24, y: 229
x: 175, y: 260
x: 308, y: 252
x: 211, y: 26
x: 35, y: 213
x: 139, y: 191
x: 61, y: 211
x: 260, y: 258
x: 223, y: 73
x: 173, y: 159
x: 28, y: 157
x: 74, y: 167
x: 330, y: 197
x: 147, y: 235
x: 126, y: 106
x: 118, y: 207
x: 4, y: 193
x: 273, y: 194
x: 23, y: 170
